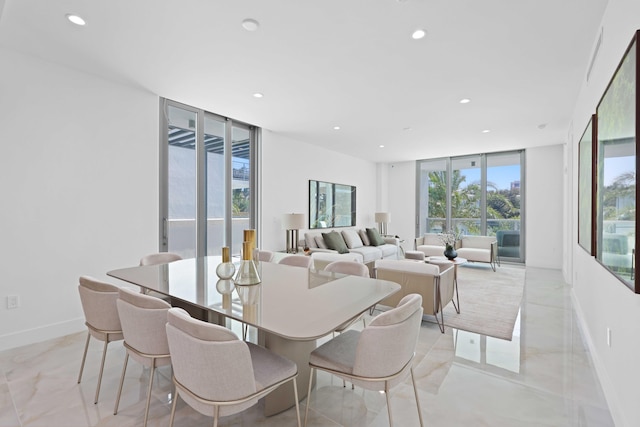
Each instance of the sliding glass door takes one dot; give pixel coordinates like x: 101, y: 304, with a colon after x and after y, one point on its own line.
x: 206, y: 181
x: 475, y: 195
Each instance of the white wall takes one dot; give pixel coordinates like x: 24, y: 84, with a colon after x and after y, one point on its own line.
x: 544, y: 206
x: 287, y: 167
x: 602, y: 300
x: 78, y: 181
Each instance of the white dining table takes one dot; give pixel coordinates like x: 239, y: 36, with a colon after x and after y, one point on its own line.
x: 291, y: 307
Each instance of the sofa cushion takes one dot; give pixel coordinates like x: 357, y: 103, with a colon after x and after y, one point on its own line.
x: 335, y: 241
x: 375, y: 237
x: 432, y: 239
x: 369, y: 253
x: 431, y: 250
x: 320, y: 242
x: 388, y: 250
x: 475, y: 254
x: 352, y: 238
x: 364, y: 237
x: 480, y: 242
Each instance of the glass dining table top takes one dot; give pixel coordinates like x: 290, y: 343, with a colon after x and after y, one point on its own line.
x: 293, y: 302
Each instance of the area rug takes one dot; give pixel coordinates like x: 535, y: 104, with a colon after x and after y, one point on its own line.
x: 489, y: 301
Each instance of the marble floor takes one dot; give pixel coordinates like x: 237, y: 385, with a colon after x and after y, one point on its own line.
x: 543, y: 377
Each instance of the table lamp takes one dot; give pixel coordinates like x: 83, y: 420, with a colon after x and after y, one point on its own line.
x: 382, y: 218
x: 292, y: 223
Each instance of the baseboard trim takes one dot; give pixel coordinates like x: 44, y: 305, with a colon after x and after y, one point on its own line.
x: 43, y: 333
x: 609, y: 390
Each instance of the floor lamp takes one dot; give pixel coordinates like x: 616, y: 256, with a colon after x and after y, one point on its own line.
x: 382, y: 218
x: 292, y: 223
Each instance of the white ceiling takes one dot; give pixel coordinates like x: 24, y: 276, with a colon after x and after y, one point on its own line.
x: 347, y: 63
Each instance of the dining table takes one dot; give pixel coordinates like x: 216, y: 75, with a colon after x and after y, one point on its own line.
x: 291, y: 307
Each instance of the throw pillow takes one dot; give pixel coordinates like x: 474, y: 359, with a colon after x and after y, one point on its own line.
x: 364, y: 237
x: 375, y: 237
x: 320, y: 242
x: 352, y: 239
x: 335, y: 241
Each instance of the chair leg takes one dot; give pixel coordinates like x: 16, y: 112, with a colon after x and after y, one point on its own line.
x: 306, y: 411
x: 295, y: 395
x: 216, y: 413
x: 124, y: 369
x: 386, y: 393
x: 173, y: 407
x: 146, y: 411
x: 84, y: 356
x: 415, y: 391
x: 104, y: 356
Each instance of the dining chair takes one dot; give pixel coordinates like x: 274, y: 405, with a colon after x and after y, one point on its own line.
x: 143, y: 320
x: 263, y: 255
x: 101, y: 317
x: 218, y: 374
x: 297, y: 261
x: 159, y: 258
x: 353, y: 269
x: 155, y: 259
x: 379, y: 357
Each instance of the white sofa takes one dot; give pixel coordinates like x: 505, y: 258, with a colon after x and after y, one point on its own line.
x: 479, y: 249
x: 356, y: 242
x: 430, y: 244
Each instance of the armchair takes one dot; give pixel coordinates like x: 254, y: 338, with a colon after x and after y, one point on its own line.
x: 434, y: 283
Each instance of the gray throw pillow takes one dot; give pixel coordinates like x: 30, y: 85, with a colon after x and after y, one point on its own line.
x: 375, y: 237
x: 335, y: 241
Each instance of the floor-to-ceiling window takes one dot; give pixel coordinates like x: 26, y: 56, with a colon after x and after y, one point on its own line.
x: 207, y: 176
x: 475, y: 195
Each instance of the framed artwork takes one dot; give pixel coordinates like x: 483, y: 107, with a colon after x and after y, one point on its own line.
x: 331, y: 205
x: 617, y: 163
x: 586, y: 187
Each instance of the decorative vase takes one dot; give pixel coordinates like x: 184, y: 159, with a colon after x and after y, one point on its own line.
x: 225, y: 270
x: 247, y: 272
x: 450, y: 252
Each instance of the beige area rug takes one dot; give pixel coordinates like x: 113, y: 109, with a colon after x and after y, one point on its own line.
x: 489, y: 301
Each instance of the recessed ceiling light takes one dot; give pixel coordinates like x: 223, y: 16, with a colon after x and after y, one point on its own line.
x: 76, y: 19
x: 542, y: 126
x: 381, y: 146
x: 408, y: 128
x: 486, y: 131
x: 258, y: 95
x: 250, y: 24
x: 418, y: 34
x: 336, y: 128
x: 465, y: 101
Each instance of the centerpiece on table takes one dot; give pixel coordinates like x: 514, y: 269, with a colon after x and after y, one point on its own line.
x: 449, y: 239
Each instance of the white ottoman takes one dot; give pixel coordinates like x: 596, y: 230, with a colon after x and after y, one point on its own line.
x: 419, y: 255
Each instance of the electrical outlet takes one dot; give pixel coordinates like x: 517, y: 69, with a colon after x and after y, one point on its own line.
x: 13, y: 301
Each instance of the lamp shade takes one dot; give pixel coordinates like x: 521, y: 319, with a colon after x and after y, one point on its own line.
x: 293, y: 221
x: 383, y: 217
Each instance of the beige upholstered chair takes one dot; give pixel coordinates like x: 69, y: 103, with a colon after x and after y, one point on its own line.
x: 297, y: 261
x: 154, y: 259
x: 353, y: 269
x: 144, y: 320
x: 159, y: 258
x: 216, y: 373
x: 262, y: 255
x: 101, y: 317
x: 435, y: 283
x: 378, y: 358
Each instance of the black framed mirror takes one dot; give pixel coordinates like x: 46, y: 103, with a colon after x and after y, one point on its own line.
x: 331, y: 205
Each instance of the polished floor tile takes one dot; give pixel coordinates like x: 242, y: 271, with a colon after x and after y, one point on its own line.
x: 543, y: 377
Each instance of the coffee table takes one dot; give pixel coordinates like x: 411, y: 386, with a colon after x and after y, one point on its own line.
x: 456, y: 262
